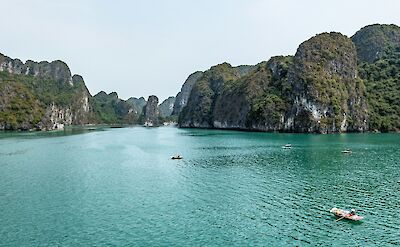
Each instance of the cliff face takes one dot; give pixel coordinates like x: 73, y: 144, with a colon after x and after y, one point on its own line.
x: 268, y: 91
x: 150, y: 112
x: 19, y: 108
x: 251, y: 99
x: 183, y: 96
x: 237, y: 105
x: 137, y: 104
x: 56, y: 70
x: 199, y: 111
x: 46, y: 96
x: 378, y: 48
x: 332, y: 84
x: 317, y: 90
x: 327, y: 94
x: 166, y: 107
x: 110, y: 109
x: 60, y: 99
x: 376, y: 41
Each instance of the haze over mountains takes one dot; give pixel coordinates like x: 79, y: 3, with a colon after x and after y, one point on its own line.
x: 332, y: 84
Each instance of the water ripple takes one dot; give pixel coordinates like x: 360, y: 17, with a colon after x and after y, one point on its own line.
x: 119, y: 188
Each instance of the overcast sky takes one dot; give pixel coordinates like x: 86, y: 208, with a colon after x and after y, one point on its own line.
x: 139, y: 48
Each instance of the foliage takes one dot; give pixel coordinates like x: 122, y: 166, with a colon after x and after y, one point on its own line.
x: 375, y: 41
x: 269, y: 91
x: 20, y: 109
x: 109, y: 109
x: 326, y: 72
x: 206, y: 90
x: 382, y: 80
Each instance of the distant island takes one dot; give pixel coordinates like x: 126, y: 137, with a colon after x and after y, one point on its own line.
x: 45, y: 96
x: 332, y: 84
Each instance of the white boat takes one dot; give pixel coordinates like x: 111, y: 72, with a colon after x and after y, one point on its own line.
x: 176, y: 157
x: 287, y: 146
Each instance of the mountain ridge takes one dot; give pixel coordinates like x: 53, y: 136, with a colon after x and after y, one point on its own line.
x: 333, y: 83
x: 319, y: 89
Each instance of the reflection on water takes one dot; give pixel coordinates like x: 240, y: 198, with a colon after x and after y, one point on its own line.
x: 16, y: 152
x: 70, y: 130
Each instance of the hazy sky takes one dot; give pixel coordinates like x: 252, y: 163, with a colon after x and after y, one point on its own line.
x: 138, y: 48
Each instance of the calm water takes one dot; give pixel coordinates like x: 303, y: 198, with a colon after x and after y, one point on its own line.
x: 118, y: 187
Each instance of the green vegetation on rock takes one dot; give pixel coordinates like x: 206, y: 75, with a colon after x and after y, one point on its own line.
x: 378, y: 48
x: 376, y: 41
x: 19, y: 108
x: 382, y: 79
x: 36, y: 95
x: 166, y: 107
x: 109, y: 109
x: 271, y: 101
x: 206, y: 90
x: 332, y: 84
x: 330, y: 97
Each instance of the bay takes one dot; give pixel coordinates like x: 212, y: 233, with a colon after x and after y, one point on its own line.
x: 119, y: 187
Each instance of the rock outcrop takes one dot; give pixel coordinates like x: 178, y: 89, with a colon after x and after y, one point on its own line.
x: 265, y: 95
x: 60, y: 99
x: 166, y: 107
x: 110, y: 109
x: 378, y: 48
x: 316, y: 91
x: 199, y: 111
x: 56, y: 70
x: 253, y: 100
x: 137, y: 104
x: 183, y: 96
x: 332, y: 84
x: 327, y: 94
x: 150, y: 112
x: 19, y: 109
x: 375, y: 41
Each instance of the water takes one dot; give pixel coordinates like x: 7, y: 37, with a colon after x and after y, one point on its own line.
x: 119, y: 187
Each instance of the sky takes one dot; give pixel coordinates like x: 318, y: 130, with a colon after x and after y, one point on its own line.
x: 141, y: 48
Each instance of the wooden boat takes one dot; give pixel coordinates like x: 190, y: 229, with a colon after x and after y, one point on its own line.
x: 345, y: 214
x: 176, y: 157
x: 287, y: 146
x: 347, y: 151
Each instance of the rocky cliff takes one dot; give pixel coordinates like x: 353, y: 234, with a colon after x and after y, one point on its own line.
x: 332, y: 84
x: 110, y: 109
x: 166, y: 107
x: 327, y: 94
x: 45, y: 96
x: 378, y: 48
x: 266, y: 91
x: 183, y: 96
x: 150, y: 112
x: 376, y: 41
x: 19, y: 109
x: 56, y: 97
x: 56, y: 70
x: 199, y: 111
x: 137, y: 104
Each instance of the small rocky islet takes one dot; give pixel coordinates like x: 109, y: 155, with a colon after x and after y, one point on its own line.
x: 332, y: 84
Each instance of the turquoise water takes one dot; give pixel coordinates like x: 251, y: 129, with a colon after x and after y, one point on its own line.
x: 118, y: 187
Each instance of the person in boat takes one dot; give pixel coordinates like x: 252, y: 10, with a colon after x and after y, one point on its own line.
x: 352, y: 212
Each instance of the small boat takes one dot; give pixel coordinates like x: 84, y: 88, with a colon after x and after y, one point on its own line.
x: 345, y: 214
x: 346, y: 151
x: 287, y: 146
x: 176, y: 157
